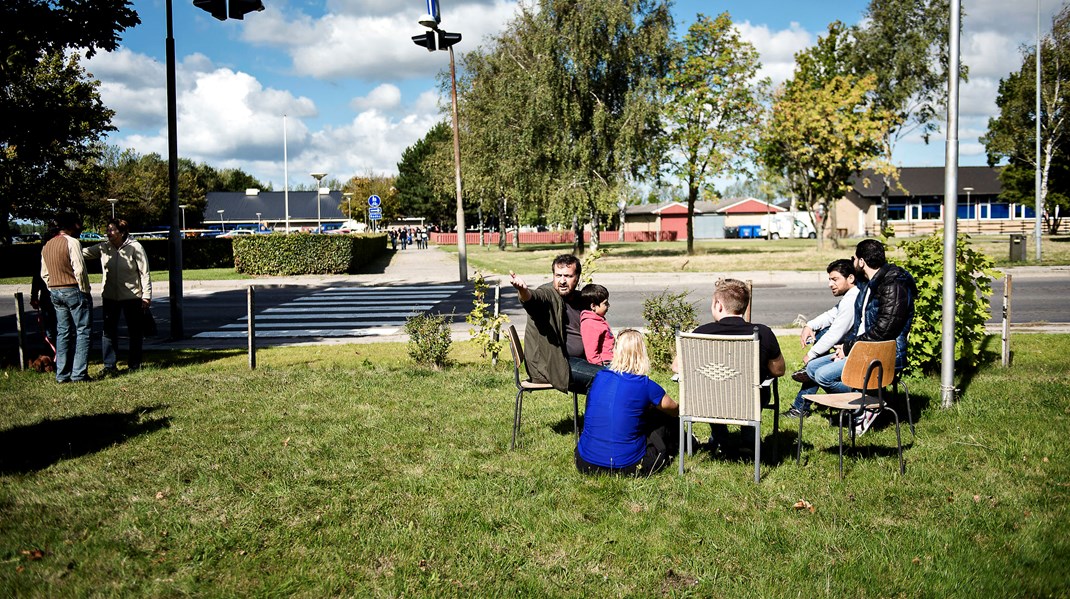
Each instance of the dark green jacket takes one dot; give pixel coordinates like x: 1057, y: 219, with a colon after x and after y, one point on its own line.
x: 544, y: 338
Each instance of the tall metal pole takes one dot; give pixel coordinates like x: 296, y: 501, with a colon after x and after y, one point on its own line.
x: 462, y: 254
x: 174, y: 237
x: 951, y: 176
x: 1039, y: 204
x: 285, y: 176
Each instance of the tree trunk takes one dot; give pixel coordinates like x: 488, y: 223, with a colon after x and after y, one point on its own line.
x: 596, y: 225
x: 884, y: 205
x: 577, y: 236
x: 482, y: 242
x: 692, y: 197
x: 503, y: 211
x: 516, y: 226
x: 822, y: 225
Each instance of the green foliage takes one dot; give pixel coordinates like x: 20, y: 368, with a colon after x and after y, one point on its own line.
x: 665, y: 314
x: 305, y: 253
x: 589, y: 264
x: 973, y: 284
x: 429, y: 339
x: 487, y: 331
x: 422, y: 182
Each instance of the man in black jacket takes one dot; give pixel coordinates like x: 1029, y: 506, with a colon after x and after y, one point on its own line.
x: 884, y: 309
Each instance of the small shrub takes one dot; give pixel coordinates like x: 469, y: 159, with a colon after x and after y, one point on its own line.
x: 487, y: 331
x: 589, y: 266
x: 973, y: 285
x: 429, y: 339
x: 664, y: 315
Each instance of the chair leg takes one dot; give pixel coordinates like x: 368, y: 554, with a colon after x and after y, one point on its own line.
x: 798, y: 450
x: 681, y: 444
x: 841, y: 443
x: 757, y: 451
x: 689, y: 432
x: 575, y: 416
x: 906, y: 399
x: 516, y: 416
x: 898, y: 443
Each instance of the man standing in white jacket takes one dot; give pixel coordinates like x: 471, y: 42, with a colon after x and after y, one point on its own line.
x: 127, y: 290
x: 825, y: 332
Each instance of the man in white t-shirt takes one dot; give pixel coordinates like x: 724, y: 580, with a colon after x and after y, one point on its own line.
x: 824, y: 332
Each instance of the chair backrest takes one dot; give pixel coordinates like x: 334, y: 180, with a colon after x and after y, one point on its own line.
x: 720, y: 376
x: 863, y: 353
x: 518, y: 352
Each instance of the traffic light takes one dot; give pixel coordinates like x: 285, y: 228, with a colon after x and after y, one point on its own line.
x: 427, y: 40
x: 217, y: 8
x: 445, y: 40
x: 238, y: 8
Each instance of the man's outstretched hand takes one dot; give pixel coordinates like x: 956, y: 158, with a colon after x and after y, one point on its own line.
x: 521, y: 287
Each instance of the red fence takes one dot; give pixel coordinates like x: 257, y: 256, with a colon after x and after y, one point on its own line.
x: 550, y: 237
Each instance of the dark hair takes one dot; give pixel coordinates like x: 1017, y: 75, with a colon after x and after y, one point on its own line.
x: 733, y: 294
x: 121, y: 225
x: 872, y: 251
x: 593, y: 294
x: 842, y: 266
x: 67, y: 221
x: 567, y: 260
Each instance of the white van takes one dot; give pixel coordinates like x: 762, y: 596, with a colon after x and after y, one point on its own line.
x: 786, y: 225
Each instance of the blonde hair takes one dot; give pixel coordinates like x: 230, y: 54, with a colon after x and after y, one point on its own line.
x: 629, y: 353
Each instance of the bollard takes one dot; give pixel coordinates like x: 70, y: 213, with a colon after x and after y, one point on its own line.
x: 251, y: 331
x: 1006, y: 341
x: 21, y: 333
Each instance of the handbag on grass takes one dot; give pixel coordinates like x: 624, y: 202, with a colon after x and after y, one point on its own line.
x: 148, y: 323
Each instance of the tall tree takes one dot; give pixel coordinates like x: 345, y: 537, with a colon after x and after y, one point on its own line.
x: 1011, y: 136
x: 713, y: 106
x: 361, y: 187
x: 425, y: 179
x: 607, y: 59
x: 53, y: 117
x: 904, y: 45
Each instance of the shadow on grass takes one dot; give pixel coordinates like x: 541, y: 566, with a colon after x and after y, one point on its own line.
x: 188, y: 357
x: 34, y: 447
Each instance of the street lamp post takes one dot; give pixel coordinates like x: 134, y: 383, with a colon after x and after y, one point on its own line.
x: 183, y: 207
x: 319, y: 180
x: 258, y: 221
x: 442, y: 40
x: 349, y: 205
x: 112, y: 201
x: 222, y: 224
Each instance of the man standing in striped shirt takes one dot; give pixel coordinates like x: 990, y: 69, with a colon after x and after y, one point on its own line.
x: 63, y: 270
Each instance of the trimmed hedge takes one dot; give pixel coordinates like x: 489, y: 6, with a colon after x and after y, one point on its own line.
x: 305, y: 253
x: 24, y: 259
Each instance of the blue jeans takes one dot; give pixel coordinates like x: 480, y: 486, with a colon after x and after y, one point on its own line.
x: 131, y: 312
x: 582, y: 374
x: 825, y: 372
x: 74, y: 319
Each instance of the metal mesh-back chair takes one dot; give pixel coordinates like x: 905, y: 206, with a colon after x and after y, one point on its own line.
x: 524, y: 385
x: 870, y: 367
x: 720, y: 382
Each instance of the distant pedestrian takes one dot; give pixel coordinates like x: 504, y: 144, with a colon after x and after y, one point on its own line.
x: 63, y: 270
x: 127, y: 291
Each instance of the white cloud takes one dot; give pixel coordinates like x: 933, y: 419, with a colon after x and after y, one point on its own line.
x: 384, y: 97
x: 777, y: 48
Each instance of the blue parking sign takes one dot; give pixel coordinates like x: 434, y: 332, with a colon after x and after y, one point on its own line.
x: 374, y: 201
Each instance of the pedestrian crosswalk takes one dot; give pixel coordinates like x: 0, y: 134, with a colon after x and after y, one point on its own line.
x: 341, y: 312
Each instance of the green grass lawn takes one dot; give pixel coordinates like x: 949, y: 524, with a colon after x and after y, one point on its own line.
x: 344, y: 470
x: 726, y: 255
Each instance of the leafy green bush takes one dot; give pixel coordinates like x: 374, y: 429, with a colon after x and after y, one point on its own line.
x: 487, y: 326
x: 664, y: 315
x: 973, y: 284
x: 429, y: 339
x: 305, y: 253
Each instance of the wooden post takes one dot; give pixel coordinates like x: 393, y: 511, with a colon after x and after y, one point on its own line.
x: 497, y: 328
x: 19, y: 329
x: 750, y: 294
x: 251, y: 321
x: 1006, y: 341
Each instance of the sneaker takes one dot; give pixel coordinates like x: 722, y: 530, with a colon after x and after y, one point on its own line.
x: 864, y: 423
x: 800, y: 376
x: 108, y: 372
x: 796, y: 413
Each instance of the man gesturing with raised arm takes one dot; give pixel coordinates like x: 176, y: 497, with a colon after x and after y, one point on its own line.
x: 552, y: 341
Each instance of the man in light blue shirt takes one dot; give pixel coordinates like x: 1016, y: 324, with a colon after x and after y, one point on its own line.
x: 826, y: 331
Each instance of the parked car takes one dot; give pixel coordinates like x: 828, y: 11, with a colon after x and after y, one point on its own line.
x: 238, y: 233
x: 91, y: 236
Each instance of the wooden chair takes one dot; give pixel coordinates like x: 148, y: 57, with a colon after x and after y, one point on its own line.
x: 869, y: 368
x: 720, y: 382
x: 526, y: 385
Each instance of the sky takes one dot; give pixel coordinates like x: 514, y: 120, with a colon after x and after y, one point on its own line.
x: 355, y: 90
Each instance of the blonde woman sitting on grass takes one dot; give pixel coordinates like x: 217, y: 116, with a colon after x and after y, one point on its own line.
x: 629, y: 425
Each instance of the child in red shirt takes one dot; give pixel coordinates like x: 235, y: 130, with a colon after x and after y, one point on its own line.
x: 597, y: 338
